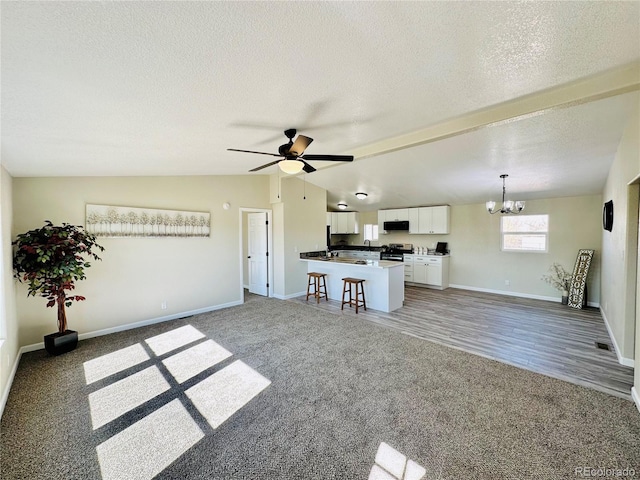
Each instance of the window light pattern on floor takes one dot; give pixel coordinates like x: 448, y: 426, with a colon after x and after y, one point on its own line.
x: 145, y: 448
x: 393, y: 465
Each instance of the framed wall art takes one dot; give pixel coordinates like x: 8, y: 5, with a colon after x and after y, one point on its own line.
x: 112, y: 221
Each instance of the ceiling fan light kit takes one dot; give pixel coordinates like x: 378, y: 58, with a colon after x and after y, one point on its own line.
x: 293, y: 161
x: 291, y: 166
x: 508, y: 206
x: 361, y: 195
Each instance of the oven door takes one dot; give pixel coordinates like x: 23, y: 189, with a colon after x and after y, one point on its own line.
x: 392, y: 257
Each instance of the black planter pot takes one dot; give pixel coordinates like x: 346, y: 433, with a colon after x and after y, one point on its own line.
x: 61, y: 342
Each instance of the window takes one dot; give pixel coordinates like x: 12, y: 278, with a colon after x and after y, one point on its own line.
x: 371, y: 231
x: 525, y: 233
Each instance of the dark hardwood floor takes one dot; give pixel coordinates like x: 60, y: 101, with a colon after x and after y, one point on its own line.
x: 537, y: 335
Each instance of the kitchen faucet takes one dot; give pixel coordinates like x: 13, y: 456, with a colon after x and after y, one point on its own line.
x: 365, y: 242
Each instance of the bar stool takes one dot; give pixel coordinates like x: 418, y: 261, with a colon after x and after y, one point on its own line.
x: 359, y: 283
x: 319, y: 282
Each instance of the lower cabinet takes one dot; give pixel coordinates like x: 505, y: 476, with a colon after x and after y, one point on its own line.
x: 430, y: 270
x: 408, y: 268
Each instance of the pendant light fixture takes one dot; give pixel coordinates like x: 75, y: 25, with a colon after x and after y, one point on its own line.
x: 508, y: 206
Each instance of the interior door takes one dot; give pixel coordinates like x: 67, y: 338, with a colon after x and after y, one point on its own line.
x: 258, y: 254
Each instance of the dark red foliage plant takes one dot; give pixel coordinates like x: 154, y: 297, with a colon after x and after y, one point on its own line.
x: 51, y: 259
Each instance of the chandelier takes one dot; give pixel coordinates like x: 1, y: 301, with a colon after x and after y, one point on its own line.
x: 508, y: 206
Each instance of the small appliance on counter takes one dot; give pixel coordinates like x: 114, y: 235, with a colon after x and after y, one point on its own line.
x: 441, y: 248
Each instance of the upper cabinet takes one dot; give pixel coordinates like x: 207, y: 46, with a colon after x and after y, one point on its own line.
x: 429, y: 220
x: 393, y: 215
x: 422, y: 220
x: 344, y: 222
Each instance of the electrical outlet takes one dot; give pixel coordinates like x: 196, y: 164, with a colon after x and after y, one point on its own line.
x: 507, y: 283
x: 163, y: 305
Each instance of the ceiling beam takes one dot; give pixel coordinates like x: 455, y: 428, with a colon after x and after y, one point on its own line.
x: 607, y: 84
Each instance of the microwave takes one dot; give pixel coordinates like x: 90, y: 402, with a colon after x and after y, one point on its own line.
x: 397, y: 225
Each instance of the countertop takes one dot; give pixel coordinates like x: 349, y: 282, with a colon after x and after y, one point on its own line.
x: 355, y: 262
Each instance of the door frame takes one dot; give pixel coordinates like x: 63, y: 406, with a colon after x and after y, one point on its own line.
x: 269, y: 212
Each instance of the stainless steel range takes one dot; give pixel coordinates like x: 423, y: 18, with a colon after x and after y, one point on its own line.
x: 395, y: 252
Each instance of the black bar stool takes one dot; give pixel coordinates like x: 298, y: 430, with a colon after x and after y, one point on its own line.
x: 353, y: 300
x: 319, y: 283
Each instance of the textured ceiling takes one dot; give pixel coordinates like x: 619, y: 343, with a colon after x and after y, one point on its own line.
x: 164, y: 88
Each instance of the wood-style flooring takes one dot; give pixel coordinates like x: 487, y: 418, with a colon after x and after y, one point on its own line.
x: 541, y: 336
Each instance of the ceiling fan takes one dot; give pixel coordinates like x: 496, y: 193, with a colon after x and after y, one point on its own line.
x: 293, y: 160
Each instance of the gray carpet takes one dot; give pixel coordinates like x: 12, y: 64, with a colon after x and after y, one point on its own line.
x: 339, y: 387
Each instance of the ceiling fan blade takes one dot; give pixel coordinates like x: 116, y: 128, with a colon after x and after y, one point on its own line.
x: 300, y: 145
x: 328, y: 158
x: 265, y: 166
x: 251, y: 151
x: 307, y: 168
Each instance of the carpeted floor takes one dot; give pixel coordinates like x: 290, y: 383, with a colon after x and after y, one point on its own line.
x: 336, y: 388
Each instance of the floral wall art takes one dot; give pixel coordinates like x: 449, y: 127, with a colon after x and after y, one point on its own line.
x: 110, y: 221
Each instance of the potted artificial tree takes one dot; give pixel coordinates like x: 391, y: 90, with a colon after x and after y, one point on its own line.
x: 50, y: 260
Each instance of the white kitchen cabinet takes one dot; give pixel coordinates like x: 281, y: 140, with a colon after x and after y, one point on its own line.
x: 429, y: 270
x: 429, y: 220
x: 391, y: 215
x: 408, y: 268
x: 358, y: 254
x: 419, y: 271
x: 345, y: 222
x: 353, y: 222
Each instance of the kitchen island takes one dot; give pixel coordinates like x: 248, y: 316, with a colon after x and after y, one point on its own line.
x: 384, y: 280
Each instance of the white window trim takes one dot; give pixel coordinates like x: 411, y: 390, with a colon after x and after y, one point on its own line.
x: 545, y: 234
x: 374, y: 231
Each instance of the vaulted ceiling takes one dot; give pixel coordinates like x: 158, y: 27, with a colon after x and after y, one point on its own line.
x: 434, y: 99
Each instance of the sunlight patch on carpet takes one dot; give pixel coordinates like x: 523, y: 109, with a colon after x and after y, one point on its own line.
x: 150, y: 445
x: 393, y: 465
x: 145, y: 448
x: 116, y: 399
x: 191, y: 362
x: 118, y: 361
x: 168, y: 341
x: 227, y: 391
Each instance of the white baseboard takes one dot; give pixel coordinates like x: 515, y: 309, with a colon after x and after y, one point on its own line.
x: 287, y: 297
x: 517, y: 294
x: 635, y: 397
x: 107, y: 331
x: 7, y: 388
x: 506, y: 292
x: 627, y: 362
x: 143, y: 323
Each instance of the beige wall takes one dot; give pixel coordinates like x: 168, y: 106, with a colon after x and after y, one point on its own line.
x: 300, y: 223
x: 620, y: 245
x: 137, y: 274
x: 477, y: 261
x: 8, y: 320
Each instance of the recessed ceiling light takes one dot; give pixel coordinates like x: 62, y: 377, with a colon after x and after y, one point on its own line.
x: 342, y: 206
x: 361, y: 195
